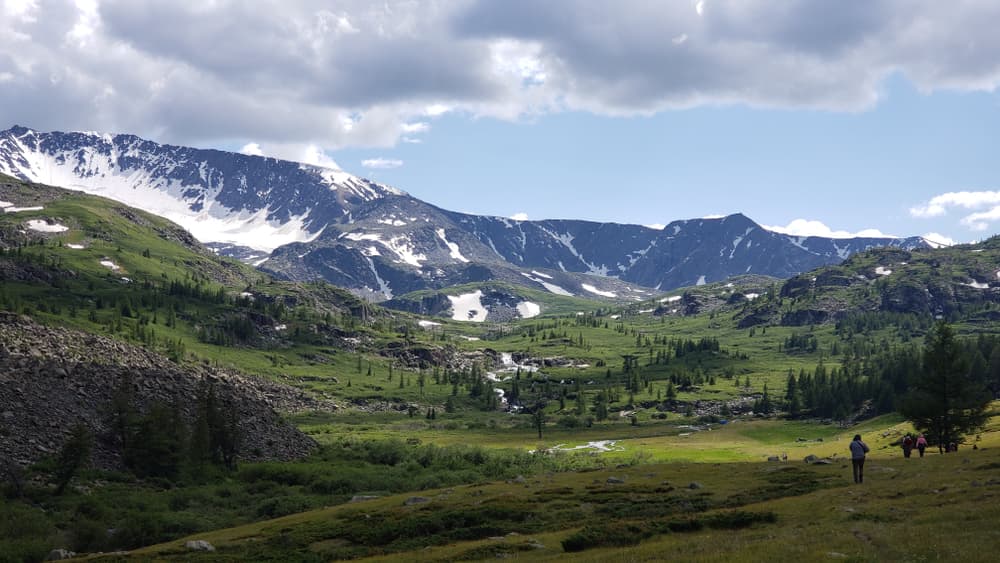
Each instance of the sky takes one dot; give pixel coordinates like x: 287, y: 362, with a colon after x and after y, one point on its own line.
x: 808, y: 116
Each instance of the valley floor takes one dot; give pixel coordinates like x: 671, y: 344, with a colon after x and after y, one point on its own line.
x: 943, y: 507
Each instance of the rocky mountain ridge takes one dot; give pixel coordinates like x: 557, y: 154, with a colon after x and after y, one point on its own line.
x: 378, y: 241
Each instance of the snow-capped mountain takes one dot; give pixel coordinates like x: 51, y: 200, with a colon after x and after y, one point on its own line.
x: 219, y: 196
x: 374, y: 239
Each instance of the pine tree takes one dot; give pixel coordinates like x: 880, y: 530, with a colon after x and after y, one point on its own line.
x: 73, y: 456
x: 945, y: 400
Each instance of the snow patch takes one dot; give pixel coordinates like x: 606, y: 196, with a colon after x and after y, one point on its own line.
x: 978, y: 285
x: 11, y: 209
x: 109, y: 264
x: 751, y: 296
x: 701, y: 280
x: 527, y: 309
x: 597, y: 445
x: 541, y: 275
x: 589, y: 288
x: 44, y: 227
x: 671, y: 299
x: 883, y: 271
x: 75, y: 246
x: 428, y: 324
x: 468, y: 307
x: 455, y: 252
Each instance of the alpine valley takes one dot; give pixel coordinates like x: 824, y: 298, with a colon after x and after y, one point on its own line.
x: 210, y: 356
x: 302, y: 222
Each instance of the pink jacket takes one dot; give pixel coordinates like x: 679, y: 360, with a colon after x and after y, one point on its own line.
x: 921, y: 441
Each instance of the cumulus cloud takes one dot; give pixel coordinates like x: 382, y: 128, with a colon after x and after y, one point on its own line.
x: 381, y: 163
x: 987, y: 201
x: 252, y: 149
x: 937, y: 239
x: 522, y: 216
x: 938, y: 205
x: 813, y: 228
x: 363, y: 74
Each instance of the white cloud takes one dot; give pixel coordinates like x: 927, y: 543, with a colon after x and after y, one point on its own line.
x: 417, y: 127
x: 968, y: 200
x: 317, y: 157
x: 714, y: 216
x: 938, y: 205
x: 381, y: 163
x: 812, y: 228
x: 522, y: 216
x: 292, y: 72
x: 981, y: 220
x: 937, y: 239
x: 252, y: 149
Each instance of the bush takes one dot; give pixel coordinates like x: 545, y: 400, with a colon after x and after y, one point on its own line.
x: 613, y: 534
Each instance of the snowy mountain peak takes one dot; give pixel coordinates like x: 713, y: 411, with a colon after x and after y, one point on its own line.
x: 219, y: 196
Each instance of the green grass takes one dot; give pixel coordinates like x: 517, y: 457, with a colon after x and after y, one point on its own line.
x: 743, y: 511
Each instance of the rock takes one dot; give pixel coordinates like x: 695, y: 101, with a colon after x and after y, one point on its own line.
x: 615, y: 480
x: 416, y: 500
x: 362, y: 498
x: 199, y: 545
x: 60, y: 554
x: 810, y: 458
x: 773, y: 458
x: 694, y: 485
x: 520, y: 480
x: 822, y: 462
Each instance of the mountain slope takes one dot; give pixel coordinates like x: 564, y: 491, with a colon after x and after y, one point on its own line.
x: 381, y: 242
x: 959, y: 284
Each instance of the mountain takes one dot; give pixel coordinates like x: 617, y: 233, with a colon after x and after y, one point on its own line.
x: 302, y: 222
x: 958, y: 284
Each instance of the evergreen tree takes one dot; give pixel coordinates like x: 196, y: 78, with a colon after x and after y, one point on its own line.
x: 538, y: 417
x: 73, y: 456
x: 945, y: 400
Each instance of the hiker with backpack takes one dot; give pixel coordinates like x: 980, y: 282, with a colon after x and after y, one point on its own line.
x: 907, y: 446
x: 858, y: 451
x: 921, y: 444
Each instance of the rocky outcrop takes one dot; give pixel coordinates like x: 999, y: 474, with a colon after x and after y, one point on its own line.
x: 53, y: 378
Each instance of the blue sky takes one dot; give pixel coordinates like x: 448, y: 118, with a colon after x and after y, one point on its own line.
x: 850, y: 170
x: 808, y: 115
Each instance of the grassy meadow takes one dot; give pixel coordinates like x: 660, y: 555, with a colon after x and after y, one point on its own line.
x: 716, y: 499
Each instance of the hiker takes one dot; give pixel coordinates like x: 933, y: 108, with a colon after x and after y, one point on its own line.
x: 907, y: 446
x: 952, y: 447
x: 921, y: 444
x: 858, y: 451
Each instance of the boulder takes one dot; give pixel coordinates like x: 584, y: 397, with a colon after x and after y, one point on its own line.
x: 615, y: 480
x: 810, y: 458
x: 694, y: 485
x: 198, y: 545
x: 416, y: 500
x: 60, y: 554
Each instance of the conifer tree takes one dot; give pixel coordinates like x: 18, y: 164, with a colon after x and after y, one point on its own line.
x: 945, y: 399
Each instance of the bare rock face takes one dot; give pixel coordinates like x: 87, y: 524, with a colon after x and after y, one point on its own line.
x: 53, y: 378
